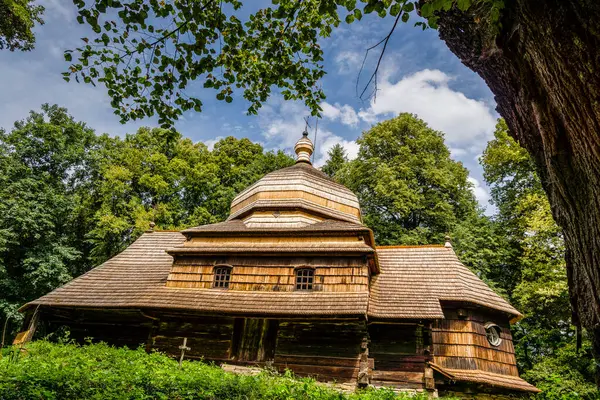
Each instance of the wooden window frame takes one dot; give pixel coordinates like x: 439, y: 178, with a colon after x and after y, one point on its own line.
x: 304, y: 279
x: 488, y: 327
x: 222, y: 276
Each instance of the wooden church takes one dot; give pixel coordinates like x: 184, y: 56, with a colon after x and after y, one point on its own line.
x: 294, y: 280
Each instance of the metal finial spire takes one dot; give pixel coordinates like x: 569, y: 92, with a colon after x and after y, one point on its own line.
x: 448, y: 243
x: 304, y: 147
x: 306, y: 126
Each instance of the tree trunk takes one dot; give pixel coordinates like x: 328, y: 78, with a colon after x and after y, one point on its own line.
x: 544, y: 70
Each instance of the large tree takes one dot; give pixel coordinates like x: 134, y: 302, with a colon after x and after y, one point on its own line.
x: 410, y: 190
x: 542, y: 67
x: 44, y: 164
x: 157, y: 175
x: 533, y: 261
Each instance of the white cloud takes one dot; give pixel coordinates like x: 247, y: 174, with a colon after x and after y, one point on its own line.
x: 480, y: 192
x: 467, y: 123
x: 58, y: 9
x: 348, y: 62
x: 456, y: 152
x: 345, y: 113
x: 328, y: 142
x: 282, y: 124
x: 210, y: 143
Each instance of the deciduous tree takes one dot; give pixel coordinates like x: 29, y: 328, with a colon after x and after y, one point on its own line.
x: 534, y: 260
x: 44, y: 162
x: 410, y: 190
x: 17, y: 20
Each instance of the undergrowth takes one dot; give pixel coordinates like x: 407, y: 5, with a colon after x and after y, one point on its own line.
x: 97, y: 371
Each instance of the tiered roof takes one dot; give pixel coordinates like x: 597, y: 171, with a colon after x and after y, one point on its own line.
x: 415, y: 279
x: 412, y: 284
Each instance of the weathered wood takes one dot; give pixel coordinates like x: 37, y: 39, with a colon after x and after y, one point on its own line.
x: 460, y: 342
x: 398, y: 354
x: 541, y: 67
x: 331, y: 275
x: 183, y: 349
x: 326, y: 350
x: 209, y: 337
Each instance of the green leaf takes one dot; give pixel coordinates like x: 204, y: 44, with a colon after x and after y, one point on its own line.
x: 409, y: 7
x: 426, y: 10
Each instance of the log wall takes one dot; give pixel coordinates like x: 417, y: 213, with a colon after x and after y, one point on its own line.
x: 332, y: 274
x: 398, y: 354
x: 115, y: 327
x: 328, y: 351
x: 461, y: 343
x: 209, y: 338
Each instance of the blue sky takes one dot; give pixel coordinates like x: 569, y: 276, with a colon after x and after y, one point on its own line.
x: 419, y: 75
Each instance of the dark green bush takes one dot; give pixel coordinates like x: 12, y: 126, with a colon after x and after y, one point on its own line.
x: 98, y: 371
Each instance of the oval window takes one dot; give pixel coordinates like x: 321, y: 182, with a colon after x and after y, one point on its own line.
x: 492, y: 332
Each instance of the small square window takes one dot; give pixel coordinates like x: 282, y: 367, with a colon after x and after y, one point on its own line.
x: 305, y: 279
x: 222, y: 277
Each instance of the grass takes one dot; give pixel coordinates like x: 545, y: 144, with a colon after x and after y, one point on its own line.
x: 98, y: 371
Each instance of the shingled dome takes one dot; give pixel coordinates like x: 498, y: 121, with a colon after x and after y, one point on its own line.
x: 299, y: 187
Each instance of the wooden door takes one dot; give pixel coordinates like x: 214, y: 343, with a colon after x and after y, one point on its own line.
x: 254, y: 339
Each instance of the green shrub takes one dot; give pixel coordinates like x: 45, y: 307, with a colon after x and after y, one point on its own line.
x: 97, y: 371
x: 565, y: 375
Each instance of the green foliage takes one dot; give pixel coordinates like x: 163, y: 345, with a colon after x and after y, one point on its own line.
x: 17, y: 19
x: 97, y: 371
x: 532, y: 271
x: 70, y: 200
x: 410, y: 190
x: 148, y: 53
x: 566, y: 374
x: 43, y: 173
x: 156, y: 175
x: 336, y: 161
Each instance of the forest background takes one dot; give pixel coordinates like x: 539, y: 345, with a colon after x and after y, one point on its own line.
x: 71, y: 199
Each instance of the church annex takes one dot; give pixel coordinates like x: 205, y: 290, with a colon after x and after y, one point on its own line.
x: 294, y: 280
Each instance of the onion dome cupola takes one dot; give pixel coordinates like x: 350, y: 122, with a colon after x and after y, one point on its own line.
x: 299, y: 195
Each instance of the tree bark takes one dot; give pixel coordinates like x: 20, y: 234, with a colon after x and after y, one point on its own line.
x: 544, y: 70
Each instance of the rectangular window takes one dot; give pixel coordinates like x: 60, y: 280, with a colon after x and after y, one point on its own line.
x: 305, y: 279
x: 222, y: 277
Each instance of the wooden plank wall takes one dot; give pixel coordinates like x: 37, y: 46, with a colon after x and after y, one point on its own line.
x: 254, y: 339
x: 332, y: 274
x: 332, y: 202
x: 328, y: 351
x: 461, y: 343
x: 117, y: 328
x: 398, y: 355
x: 208, y: 337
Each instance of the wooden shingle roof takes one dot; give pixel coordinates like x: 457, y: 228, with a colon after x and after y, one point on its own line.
x: 136, y: 278
x: 415, y: 279
x: 238, y: 227
x: 488, y: 378
x: 300, y: 186
x: 412, y: 283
